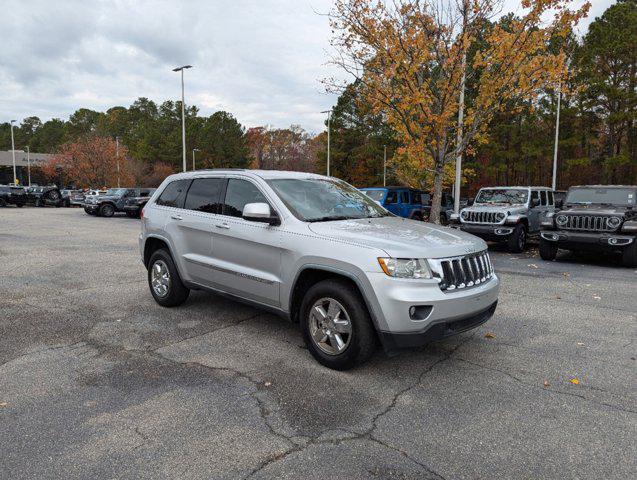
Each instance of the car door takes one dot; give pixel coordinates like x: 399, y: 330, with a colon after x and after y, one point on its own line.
x: 247, y: 254
x: 194, y: 227
x: 535, y: 211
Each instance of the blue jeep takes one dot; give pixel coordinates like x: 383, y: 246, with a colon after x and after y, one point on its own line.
x: 409, y: 202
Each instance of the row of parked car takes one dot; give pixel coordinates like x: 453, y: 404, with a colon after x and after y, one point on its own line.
x: 127, y: 200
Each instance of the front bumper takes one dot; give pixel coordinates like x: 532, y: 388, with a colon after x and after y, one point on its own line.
x: 586, y: 240
x: 436, y: 331
x: 493, y: 233
x: 91, y: 207
x: 411, y: 309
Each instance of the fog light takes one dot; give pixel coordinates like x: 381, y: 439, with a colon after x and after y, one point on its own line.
x: 420, y: 312
x: 412, y: 311
x: 612, y: 241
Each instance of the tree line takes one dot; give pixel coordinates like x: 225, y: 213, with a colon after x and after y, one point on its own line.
x: 403, y: 99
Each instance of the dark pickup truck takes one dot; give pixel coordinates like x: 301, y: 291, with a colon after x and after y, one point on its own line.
x: 10, y: 195
x: 134, y: 205
x: 594, y: 218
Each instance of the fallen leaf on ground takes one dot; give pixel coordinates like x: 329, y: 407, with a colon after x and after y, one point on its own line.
x: 580, y: 344
x: 3, y: 404
x: 546, y: 383
x: 558, y: 297
x: 489, y: 335
x: 574, y: 381
x: 532, y: 265
x: 566, y: 274
x: 597, y: 297
x: 267, y: 384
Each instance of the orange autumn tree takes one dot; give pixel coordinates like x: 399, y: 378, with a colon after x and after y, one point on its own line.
x: 410, y: 57
x: 92, y: 161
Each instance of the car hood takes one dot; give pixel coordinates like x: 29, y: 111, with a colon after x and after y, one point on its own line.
x: 594, y: 210
x: 401, y: 238
x: 496, y: 207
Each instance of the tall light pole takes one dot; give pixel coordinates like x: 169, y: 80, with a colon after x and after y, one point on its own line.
x: 384, y: 165
x: 117, y: 157
x: 15, y: 179
x: 193, y: 157
x: 329, y: 119
x: 557, y: 129
x: 183, y: 114
x: 459, y: 139
x: 28, y: 164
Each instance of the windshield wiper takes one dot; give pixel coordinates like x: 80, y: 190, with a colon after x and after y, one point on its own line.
x: 330, y: 218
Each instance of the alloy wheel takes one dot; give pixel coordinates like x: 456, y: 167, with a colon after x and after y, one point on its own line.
x: 330, y: 326
x: 160, y: 278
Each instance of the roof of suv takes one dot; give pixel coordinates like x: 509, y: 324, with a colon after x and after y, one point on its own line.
x: 604, y: 186
x: 265, y: 174
x: 521, y: 186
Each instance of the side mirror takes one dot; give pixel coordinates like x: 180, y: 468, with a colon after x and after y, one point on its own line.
x: 535, y: 202
x: 259, y: 212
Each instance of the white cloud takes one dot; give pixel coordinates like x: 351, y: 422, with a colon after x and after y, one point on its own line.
x: 260, y: 60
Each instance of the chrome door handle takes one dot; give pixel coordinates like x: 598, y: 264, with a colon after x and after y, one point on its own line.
x: 176, y: 217
x: 222, y: 225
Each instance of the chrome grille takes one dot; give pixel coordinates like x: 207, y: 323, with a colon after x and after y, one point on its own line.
x: 481, y: 217
x: 587, y: 222
x: 462, y: 272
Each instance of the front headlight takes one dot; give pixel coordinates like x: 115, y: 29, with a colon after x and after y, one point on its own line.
x: 405, y: 267
x: 500, y: 216
x: 613, y: 222
x: 464, y: 214
x: 561, y: 220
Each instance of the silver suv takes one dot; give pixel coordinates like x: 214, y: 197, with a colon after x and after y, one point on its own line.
x: 506, y: 214
x: 315, y: 250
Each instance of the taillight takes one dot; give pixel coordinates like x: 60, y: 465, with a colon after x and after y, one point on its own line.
x: 141, y: 215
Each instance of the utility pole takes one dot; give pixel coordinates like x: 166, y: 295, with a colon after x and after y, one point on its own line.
x: 15, y: 179
x: 193, y: 157
x: 329, y: 118
x: 28, y: 164
x: 384, y: 165
x: 456, y: 193
x: 117, y: 157
x: 183, y: 113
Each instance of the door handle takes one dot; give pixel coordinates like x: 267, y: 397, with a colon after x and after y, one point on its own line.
x: 222, y: 225
x: 176, y: 217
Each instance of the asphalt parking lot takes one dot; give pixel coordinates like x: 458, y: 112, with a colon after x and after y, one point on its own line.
x: 98, y: 381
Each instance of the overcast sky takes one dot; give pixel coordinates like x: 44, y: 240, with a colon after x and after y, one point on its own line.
x: 261, y: 60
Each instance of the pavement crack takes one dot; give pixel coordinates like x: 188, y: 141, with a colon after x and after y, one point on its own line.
x: 546, y: 389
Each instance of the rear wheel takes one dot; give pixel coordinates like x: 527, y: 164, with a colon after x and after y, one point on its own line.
x: 517, y: 241
x: 107, y: 210
x: 130, y: 214
x: 336, y: 325
x: 164, y: 281
x: 548, y: 250
x: 3, y: 202
x: 629, y: 254
x: 19, y: 205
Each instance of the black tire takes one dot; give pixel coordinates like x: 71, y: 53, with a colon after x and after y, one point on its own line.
x: 548, y: 250
x: 517, y: 241
x: 443, y: 219
x: 130, y: 214
x: 3, y: 202
x: 362, y: 340
x: 39, y: 202
x: 177, y: 292
x: 629, y: 255
x: 107, y: 210
x: 19, y: 205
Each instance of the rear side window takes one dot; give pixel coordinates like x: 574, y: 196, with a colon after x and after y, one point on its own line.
x: 404, y: 197
x: 551, y: 200
x: 535, y: 195
x: 204, y: 195
x: 238, y: 194
x: 543, y: 196
x: 392, y: 197
x: 174, y: 194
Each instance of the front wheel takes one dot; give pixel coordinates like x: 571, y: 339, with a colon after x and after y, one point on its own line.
x: 517, y: 241
x: 130, y: 214
x: 629, y: 254
x: 336, y: 325
x: 107, y: 210
x: 164, y: 281
x: 548, y: 250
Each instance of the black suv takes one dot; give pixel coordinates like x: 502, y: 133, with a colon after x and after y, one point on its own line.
x: 598, y: 218
x: 10, y: 195
x: 42, y: 196
x: 115, y: 200
x: 133, y: 206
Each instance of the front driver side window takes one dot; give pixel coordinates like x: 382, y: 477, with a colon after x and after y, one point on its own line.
x: 238, y: 194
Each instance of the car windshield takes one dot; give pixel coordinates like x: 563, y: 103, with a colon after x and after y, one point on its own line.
x: 321, y: 200
x: 376, y: 195
x: 610, y: 196
x: 115, y: 192
x: 502, y: 195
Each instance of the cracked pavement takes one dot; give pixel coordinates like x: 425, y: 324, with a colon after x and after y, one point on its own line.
x: 97, y: 381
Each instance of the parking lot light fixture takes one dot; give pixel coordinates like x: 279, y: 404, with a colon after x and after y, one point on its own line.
x: 329, y: 119
x: 15, y: 178
x: 183, y: 113
x: 28, y: 164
